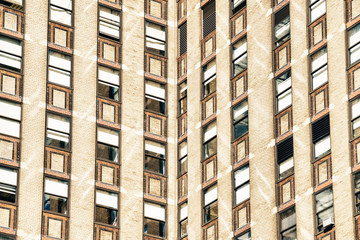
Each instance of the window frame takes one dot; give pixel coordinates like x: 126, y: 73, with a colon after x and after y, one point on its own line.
x: 243, y: 184
x: 318, y: 69
x: 213, y: 203
x: 310, y: 10
x: 238, y: 58
x: 147, y: 49
x: 281, y: 231
x: 319, y: 228
x: 243, y: 117
x: 208, y: 140
x: 282, y: 40
x: 354, y: 46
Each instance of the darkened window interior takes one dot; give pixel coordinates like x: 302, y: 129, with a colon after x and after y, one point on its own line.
x: 106, y: 215
x: 107, y: 152
x: 209, y: 18
x: 154, y: 227
x: 183, y: 39
x: 282, y: 26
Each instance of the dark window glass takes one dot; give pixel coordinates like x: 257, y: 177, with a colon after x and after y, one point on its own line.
x: 288, y: 225
x: 154, y: 227
x: 154, y: 104
x: 209, y: 86
x: 209, y: 148
x: 107, y: 152
x: 154, y: 165
x: 106, y: 215
x: 324, y: 207
x: 209, y: 18
x: 210, y: 212
x: 246, y: 236
x: 282, y: 26
x: 108, y: 91
x: 357, y: 191
x: 7, y: 193
x: 55, y: 204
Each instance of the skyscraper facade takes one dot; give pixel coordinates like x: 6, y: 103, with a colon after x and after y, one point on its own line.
x: 179, y: 119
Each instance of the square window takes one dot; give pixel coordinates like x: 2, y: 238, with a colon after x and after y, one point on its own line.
x: 60, y: 15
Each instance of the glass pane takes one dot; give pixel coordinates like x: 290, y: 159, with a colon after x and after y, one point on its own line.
x: 154, y: 148
x: 242, y: 193
x: 209, y: 148
x: 239, y: 48
x: 56, y: 139
x: 9, y: 61
x: 286, y: 168
x: 155, y: 89
x: 322, y: 146
x: 282, y: 26
x: 319, y: 77
x: 241, y: 127
x: 283, y: 82
x: 182, y: 88
x: 354, y: 36
x: 318, y: 59
x: 356, y: 128
x: 209, y: 70
x: 240, y: 111
x: 289, y: 234
x: 62, y: 3
x: 324, y: 200
x: 284, y: 100
x: 154, y: 211
x: 55, y: 204
x: 287, y: 219
x: 317, y: 10
x: 106, y: 215
x: 183, y: 228
x: 154, y: 104
x: 241, y: 176
x: 60, y: 15
x: 59, y: 76
x: 10, y: 45
x: 154, y: 165
x: 153, y: 227
x: 155, y: 46
x: 240, y: 64
x: 7, y: 193
x: 60, y: 61
x: 246, y: 236
x: 107, y: 152
x: 108, y: 91
x: 209, y: 86
x: 210, y: 212
x: 183, y: 166
x: 355, y: 54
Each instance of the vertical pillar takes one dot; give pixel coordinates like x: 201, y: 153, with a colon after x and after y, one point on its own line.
x: 132, y: 141
x: 194, y: 120
x: 30, y: 190
x: 223, y: 93
x: 261, y: 121
x: 339, y: 121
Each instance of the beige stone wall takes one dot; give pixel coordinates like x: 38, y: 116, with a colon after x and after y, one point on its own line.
x: 30, y: 191
x: 223, y: 93
x: 301, y: 121
x: 132, y: 141
x: 83, y: 121
x: 194, y: 120
x: 261, y: 121
x: 339, y: 121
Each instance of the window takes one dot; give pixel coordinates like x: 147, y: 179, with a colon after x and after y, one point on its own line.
x: 60, y: 14
x: 155, y: 38
x: 182, y: 93
x: 107, y: 152
x: 56, y: 195
x: 183, y: 166
x: 10, y: 2
x: 321, y: 136
x: 209, y: 18
x: 317, y: 9
x: 8, y: 184
x: 9, y: 112
x: 354, y: 44
x: 319, y: 74
x: 283, y: 91
x: 245, y: 236
x: 237, y: 5
x: 239, y: 56
x: 357, y: 191
x: 155, y: 96
x: 355, y: 119
x: 286, y: 168
x: 183, y: 219
x: 109, y: 22
x: 324, y: 207
x: 282, y: 26
x: 10, y: 53
x: 322, y: 146
x: 108, y: 83
x: 288, y: 225
x: 242, y: 185
x: 209, y: 78
x: 209, y: 140
x: 58, y: 130
x: 240, y: 119
x: 154, y: 157
x: 210, y: 204
x: 59, y: 71
x: 154, y: 222
x: 183, y: 39
x: 106, y: 207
